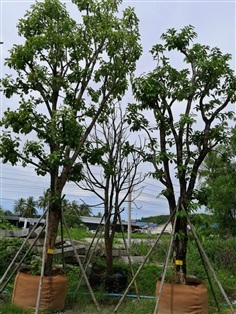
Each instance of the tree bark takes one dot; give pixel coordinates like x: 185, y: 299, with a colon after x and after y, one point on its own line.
x: 108, y: 249
x: 180, y: 250
x: 54, y: 217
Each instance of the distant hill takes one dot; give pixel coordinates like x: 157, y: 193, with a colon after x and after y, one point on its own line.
x: 196, y: 219
x: 155, y: 219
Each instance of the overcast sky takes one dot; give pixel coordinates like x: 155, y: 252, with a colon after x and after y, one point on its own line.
x: 214, y: 21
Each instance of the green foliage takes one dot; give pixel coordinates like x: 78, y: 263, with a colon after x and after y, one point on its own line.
x: 8, y: 307
x: 72, y: 221
x: 222, y: 253
x: 8, y: 213
x: 5, y: 225
x: 50, y: 62
x: 35, y: 266
x: 147, y: 278
x: 75, y: 209
x: 160, y: 219
x: 9, y: 248
x: 217, y: 188
x: 77, y: 233
x: 158, y: 254
x: 26, y: 207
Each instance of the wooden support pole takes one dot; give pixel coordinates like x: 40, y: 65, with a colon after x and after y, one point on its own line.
x: 42, y: 268
x: 21, y: 261
x: 129, y: 258
x: 80, y: 264
x: 209, y: 264
x: 86, y: 262
x: 20, y: 249
x: 146, y: 258
x: 165, y: 267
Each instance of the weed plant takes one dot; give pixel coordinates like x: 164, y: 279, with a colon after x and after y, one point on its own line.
x: 8, y: 248
x: 77, y: 233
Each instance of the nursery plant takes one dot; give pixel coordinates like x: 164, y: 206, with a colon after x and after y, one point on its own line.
x: 117, y: 178
x: 64, y: 77
x: 187, y: 101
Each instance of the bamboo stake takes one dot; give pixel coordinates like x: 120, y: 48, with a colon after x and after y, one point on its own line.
x: 209, y: 265
x: 129, y: 258
x: 141, y: 266
x: 80, y: 264
x: 208, y: 276
x: 62, y: 245
x: 165, y: 267
x: 86, y: 264
x: 97, y: 231
x: 20, y: 249
x: 42, y: 268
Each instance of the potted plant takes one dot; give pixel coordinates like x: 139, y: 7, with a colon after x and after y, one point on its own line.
x: 53, y: 288
x: 66, y: 75
x: 188, y: 106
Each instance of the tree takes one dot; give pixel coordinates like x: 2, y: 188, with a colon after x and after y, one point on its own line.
x: 30, y: 207
x: 66, y: 76
x: 25, y: 207
x: 217, y: 189
x: 19, y: 206
x: 189, y: 118
x: 43, y: 201
x: 83, y: 209
x: 75, y: 208
x: 118, y: 177
x: 8, y: 213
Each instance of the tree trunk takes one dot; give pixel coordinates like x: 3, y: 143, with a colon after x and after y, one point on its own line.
x: 108, y: 250
x: 54, y: 217
x: 180, y: 250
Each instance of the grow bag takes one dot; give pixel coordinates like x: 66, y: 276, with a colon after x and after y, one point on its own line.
x: 53, y: 293
x: 183, y: 299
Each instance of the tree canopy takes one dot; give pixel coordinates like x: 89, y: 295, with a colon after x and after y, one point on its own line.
x: 188, y: 105
x: 65, y: 74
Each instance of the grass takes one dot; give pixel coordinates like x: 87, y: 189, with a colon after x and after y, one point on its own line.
x: 84, y: 305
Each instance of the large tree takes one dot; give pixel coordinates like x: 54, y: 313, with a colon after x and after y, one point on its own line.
x: 118, y: 175
x: 187, y: 117
x: 65, y: 76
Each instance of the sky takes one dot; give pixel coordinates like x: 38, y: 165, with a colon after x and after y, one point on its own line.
x: 214, y: 22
